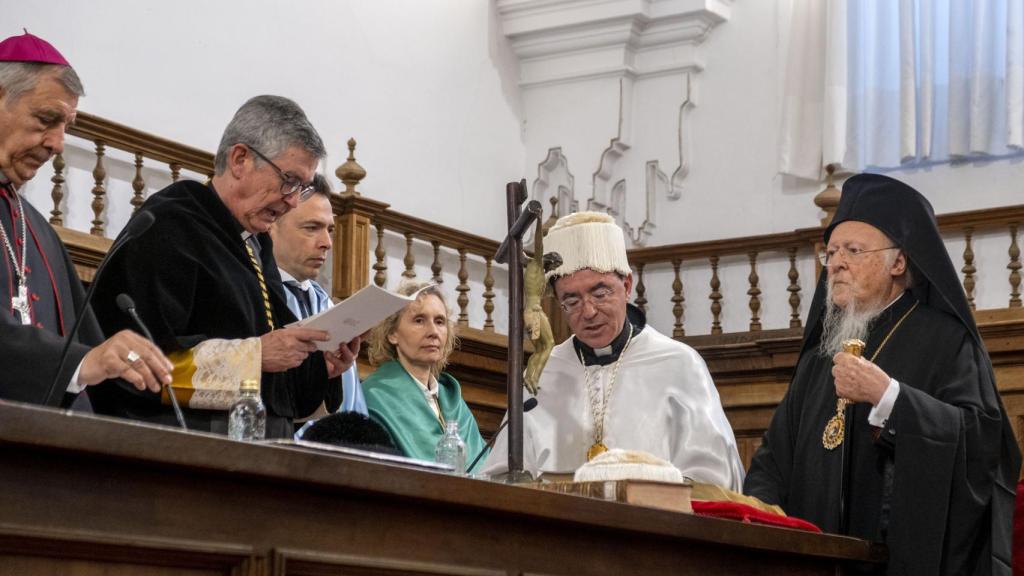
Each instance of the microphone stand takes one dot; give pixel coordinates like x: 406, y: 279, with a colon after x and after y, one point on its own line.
x: 127, y: 305
x: 511, y: 251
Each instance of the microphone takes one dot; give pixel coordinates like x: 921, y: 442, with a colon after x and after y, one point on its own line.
x: 135, y: 227
x: 127, y: 305
x: 530, y: 404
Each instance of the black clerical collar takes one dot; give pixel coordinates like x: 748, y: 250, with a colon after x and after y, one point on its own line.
x: 885, y: 320
x: 895, y: 309
x: 604, y: 356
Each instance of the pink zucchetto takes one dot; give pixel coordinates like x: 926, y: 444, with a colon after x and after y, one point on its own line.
x: 29, y: 48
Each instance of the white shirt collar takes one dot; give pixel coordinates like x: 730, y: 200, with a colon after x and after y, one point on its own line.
x: 306, y: 285
x: 430, y: 389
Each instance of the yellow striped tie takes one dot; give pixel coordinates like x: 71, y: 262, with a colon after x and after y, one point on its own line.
x: 263, y: 284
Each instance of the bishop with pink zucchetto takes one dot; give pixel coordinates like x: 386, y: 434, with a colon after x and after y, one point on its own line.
x: 41, y: 295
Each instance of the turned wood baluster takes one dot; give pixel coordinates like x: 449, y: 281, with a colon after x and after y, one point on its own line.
x: 677, y: 301
x: 794, y: 290
x: 175, y: 171
x: 488, y: 297
x: 969, y: 270
x: 409, y: 259
x: 98, y: 191
x: 552, y: 214
x: 463, y: 289
x: 716, y: 297
x: 56, y: 216
x: 1014, y: 267
x: 380, y: 276
x: 641, y: 290
x: 755, y: 294
x: 138, y: 184
x: 435, y: 267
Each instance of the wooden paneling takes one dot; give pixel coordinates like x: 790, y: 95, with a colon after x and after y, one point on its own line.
x: 26, y: 550
x: 83, y: 495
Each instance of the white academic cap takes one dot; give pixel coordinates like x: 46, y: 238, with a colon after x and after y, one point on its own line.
x: 587, y: 240
x: 619, y: 464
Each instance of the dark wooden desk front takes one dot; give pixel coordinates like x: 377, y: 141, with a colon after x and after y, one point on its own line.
x: 85, y: 495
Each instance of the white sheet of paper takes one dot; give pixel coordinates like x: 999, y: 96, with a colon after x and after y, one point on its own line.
x: 355, y: 315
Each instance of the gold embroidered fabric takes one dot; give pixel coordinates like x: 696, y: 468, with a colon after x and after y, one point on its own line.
x: 208, y: 376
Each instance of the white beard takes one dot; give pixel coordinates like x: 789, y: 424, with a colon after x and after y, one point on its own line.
x: 844, y: 323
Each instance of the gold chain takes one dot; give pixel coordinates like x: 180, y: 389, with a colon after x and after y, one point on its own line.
x: 599, y: 411
x: 263, y: 285
x: 835, y: 428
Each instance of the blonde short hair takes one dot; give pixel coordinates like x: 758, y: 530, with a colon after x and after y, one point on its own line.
x: 381, y: 350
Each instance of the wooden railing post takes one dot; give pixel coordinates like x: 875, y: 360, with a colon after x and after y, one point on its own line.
x: 56, y: 217
x: 353, y: 248
x: 354, y: 215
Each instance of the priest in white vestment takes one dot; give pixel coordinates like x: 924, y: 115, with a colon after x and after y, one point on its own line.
x: 618, y: 382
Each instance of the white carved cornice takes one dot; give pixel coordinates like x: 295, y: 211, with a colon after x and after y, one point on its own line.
x: 566, y: 40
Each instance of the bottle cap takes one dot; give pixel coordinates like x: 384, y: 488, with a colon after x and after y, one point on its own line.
x: 250, y: 385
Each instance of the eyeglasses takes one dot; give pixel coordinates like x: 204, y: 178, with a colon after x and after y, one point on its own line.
x: 597, y: 298
x: 290, y: 184
x: 850, y: 253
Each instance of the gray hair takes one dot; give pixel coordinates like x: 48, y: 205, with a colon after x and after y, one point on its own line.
x: 20, y: 78
x: 270, y: 124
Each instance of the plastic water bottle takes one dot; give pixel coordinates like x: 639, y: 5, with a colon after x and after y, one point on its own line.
x: 451, y: 450
x: 248, y: 417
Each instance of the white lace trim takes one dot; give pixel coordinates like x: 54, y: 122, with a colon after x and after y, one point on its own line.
x: 221, y: 366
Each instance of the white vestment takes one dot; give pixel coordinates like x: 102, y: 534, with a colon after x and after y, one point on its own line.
x: 662, y: 402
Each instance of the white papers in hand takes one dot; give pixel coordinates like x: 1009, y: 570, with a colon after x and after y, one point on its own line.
x: 355, y: 315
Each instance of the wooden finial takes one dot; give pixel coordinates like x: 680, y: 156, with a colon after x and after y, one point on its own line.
x: 553, y: 217
x: 350, y: 173
x: 828, y: 199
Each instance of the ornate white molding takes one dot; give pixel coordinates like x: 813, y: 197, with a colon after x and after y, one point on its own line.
x: 675, y: 191
x: 570, y: 40
x: 555, y: 179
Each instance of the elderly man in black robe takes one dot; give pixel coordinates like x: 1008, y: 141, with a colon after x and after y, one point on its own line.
x: 40, y: 293
x: 205, y: 281
x: 919, y: 453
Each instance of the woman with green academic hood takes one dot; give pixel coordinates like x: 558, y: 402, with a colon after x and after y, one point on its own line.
x: 409, y: 394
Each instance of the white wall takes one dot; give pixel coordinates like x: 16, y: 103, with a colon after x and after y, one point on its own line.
x: 431, y: 90
x: 426, y: 87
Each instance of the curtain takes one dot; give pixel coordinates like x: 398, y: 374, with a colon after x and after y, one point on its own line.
x: 880, y: 84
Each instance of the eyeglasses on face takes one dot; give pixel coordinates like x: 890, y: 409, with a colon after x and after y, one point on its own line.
x: 598, y: 298
x: 848, y: 252
x: 290, y: 184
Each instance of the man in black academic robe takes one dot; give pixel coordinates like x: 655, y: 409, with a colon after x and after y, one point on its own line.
x: 36, y: 105
x: 215, y: 309
x: 934, y: 479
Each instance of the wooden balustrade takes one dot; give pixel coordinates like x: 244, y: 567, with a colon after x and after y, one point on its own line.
x: 804, y: 244
x: 438, y: 237
x: 750, y: 367
x: 106, y: 135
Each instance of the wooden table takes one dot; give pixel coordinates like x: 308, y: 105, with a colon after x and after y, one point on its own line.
x: 84, y: 495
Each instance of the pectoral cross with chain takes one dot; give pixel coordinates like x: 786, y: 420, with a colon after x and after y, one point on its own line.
x: 20, y: 304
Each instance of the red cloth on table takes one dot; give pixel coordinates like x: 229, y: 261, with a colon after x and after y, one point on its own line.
x: 749, y: 514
